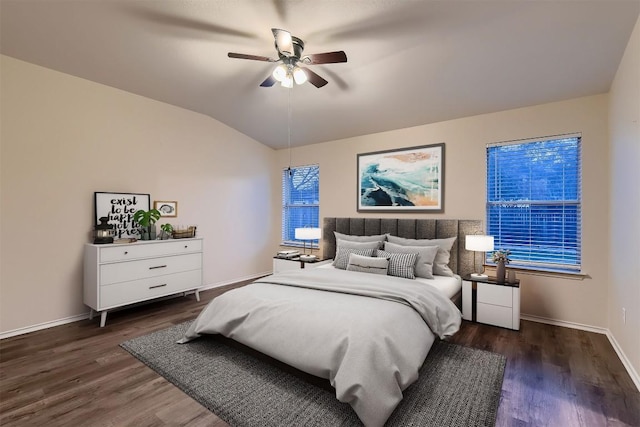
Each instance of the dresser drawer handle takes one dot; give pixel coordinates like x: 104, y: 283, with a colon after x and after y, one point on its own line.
x: 157, y: 286
x: 157, y: 266
x: 125, y: 252
x: 185, y: 246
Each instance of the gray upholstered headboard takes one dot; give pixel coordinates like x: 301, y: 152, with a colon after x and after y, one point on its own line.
x: 461, y: 260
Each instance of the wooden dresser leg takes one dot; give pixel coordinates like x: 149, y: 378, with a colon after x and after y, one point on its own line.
x: 103, y: 318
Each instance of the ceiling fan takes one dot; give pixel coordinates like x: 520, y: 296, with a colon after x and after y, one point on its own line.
x: 289, y: 50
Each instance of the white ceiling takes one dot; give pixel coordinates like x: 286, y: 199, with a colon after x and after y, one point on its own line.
x: 409, y: 62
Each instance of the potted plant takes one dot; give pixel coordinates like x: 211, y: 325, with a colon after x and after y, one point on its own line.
x: 147, y: 220
x: 167, y: 229
x: 501, y: 258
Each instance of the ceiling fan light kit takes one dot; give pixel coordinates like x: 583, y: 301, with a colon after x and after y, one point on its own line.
x: 290, y: 50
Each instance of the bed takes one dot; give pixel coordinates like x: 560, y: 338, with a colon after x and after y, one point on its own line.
x: 368, y: 334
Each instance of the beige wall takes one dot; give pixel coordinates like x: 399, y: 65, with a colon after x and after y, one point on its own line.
x: 577, y: 301
x: 624, y: 227
x: 62, y: 138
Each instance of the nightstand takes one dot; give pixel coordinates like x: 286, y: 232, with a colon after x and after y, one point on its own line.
x: 282, y: 264
x: 490, y: 302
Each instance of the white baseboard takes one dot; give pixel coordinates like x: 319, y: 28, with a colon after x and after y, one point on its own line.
x: 45, y: 325
x: 614, y: 343
x: 625, y: 361
x: 83, y: 316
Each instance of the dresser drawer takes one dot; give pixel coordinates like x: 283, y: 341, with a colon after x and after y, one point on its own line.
x: 140, y: 290
x: 146, y: 250
x: 145, y: 268
x: 495, y: 294
x: 495, y: 315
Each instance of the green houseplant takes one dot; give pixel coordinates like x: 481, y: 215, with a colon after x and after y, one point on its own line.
x: 147, y: 221
x: 167, y: 229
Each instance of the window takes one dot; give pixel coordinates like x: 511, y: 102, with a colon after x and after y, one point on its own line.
x: 300, y: 201
x: 533, y: 201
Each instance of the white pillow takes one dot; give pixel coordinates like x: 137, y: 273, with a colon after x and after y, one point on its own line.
x: 342, y: 256
x: 400, y: 265
x: 357, y: 245
x: 367, y: 264
x: 354, y: 238
x: 440, y: 264
x: 426, y: 256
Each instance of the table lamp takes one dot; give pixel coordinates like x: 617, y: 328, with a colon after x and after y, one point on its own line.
x: 478, y: 243
x: 304, y: 234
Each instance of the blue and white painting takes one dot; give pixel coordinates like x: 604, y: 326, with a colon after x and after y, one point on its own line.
x: 408, y: 179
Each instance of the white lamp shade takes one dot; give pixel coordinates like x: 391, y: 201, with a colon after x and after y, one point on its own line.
x: 308, y: 233
x: 287, y: 81
x: 299, y: 75
x: 479, y: 243
x: 280, y: 72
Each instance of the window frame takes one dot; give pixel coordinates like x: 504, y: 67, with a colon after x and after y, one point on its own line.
x: 546, y: 264
x: 287, y: 205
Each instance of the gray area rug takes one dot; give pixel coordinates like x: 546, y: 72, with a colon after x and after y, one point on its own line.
x: 458, y: 386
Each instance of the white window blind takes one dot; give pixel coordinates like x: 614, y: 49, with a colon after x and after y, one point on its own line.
x: 300, y: 201
x: 533, y: 201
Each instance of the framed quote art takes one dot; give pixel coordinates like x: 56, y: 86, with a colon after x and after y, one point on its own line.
x: 402, y: 180
x: 119, y: 209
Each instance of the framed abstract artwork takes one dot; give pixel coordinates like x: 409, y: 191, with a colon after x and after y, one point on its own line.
x: 169, y: 209
x: 119, y: 209
x: 402, y: 180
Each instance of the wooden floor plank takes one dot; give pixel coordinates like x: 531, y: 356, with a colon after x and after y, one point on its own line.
x: 77, y: 374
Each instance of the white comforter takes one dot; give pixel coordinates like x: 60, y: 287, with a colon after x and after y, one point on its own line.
x: 367, y: 334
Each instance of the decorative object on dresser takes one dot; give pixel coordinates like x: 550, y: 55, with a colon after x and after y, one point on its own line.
x: 478, y: 243
x: 119, y: 275
x: 305, y: 234
x: 491, y: 301
x: 168, y: 209
x: 501, y: 258
x: 166, y: 230
x: 103, y: 232
x: 180, y: 232
x: 402, y: 180
x: 147, y: 221
x: 119, y: 208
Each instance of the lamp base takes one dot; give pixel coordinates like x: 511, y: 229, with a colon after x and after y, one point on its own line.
x: 479, y: 276
x: 308, y: 258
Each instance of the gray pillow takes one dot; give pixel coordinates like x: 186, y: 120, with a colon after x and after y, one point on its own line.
x: 426, y: 256
x: 357, y: 245
x: 342, y: 256
x: 440, y: 264
x: 400, y: 265
x: 367, y: 264
x: 354, y: 238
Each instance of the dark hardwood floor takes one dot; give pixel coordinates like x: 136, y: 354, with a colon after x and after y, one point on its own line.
x: 77, y: 375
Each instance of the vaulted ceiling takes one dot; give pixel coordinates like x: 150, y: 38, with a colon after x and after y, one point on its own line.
x: 410, y: 62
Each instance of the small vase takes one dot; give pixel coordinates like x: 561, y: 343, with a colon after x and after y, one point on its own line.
x: 500, y: 272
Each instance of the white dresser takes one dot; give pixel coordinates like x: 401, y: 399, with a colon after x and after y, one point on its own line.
x: 116, y: 275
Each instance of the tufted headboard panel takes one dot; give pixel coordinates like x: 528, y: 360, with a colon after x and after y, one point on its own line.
x: 461, y: 260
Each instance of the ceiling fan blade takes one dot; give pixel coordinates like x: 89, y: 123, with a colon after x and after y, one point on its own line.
x: 284, y: 42
x: 326, y: 58
x: 270, y: 81
x: 252, y: 57
x: 314, y: 79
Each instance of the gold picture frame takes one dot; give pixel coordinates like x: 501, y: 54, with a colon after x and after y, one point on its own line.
x: 166, y: 208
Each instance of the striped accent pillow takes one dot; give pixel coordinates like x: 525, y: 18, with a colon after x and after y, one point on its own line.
x: 400, y: 265
x: 367, y: 264
x: 342, y: 256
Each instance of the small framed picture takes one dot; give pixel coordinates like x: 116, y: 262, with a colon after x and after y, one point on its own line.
x: 166, y: 208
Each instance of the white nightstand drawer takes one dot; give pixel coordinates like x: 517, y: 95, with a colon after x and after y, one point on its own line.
x: 495, y: 294
x: 140, y: 290
x: 494, y: 315
x: 144, y: 268
x: 146, y: 250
